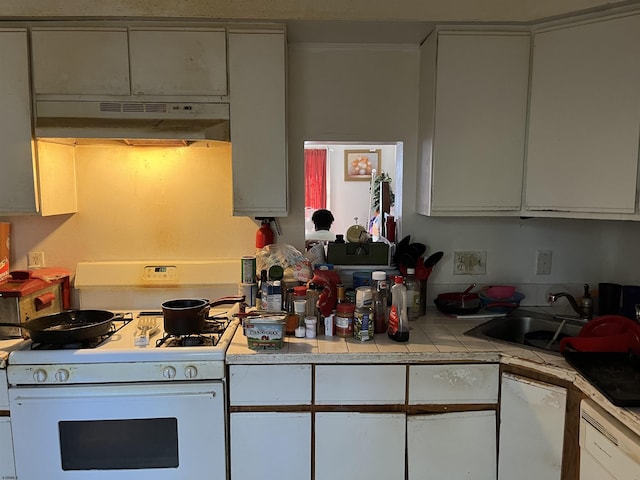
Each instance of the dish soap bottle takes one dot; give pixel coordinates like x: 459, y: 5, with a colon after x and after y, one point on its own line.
x: 586, y: 304
x: 398, y: 329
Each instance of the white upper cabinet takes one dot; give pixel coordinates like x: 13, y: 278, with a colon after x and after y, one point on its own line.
x: 472, y: 123
x: 184, y: 62
x: 129, y: 61
x: 257, y: 92
x: 585, y: 118
x: 80, y: 61
x: 32, y: 181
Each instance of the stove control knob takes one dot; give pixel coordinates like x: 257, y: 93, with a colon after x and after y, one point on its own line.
x: 62, y: 375
x: 40, y: 375
x: 168, y: 372
x: 191, y: 372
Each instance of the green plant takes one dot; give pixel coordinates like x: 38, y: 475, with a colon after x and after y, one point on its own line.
x: 377, y: 184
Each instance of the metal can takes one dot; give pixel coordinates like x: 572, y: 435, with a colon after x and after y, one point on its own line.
x: 248, y: 269
x: 249, y: 290
x: 344, y: 319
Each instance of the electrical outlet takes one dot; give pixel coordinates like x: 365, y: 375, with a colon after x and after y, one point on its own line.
x: 35, y: 260
x: 469, y: 263
x: 543, y: 262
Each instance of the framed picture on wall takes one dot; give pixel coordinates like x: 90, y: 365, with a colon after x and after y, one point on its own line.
x: 358, y: 164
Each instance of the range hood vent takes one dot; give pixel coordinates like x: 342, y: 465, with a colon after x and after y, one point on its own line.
x: 132, y: 120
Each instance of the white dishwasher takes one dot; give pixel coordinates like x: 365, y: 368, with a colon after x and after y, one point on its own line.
x: 608, y: 449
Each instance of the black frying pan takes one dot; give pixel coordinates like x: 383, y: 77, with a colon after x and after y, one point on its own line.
x: 67, y: 327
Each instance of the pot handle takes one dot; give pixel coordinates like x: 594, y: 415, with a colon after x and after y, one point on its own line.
x: 230, y: 300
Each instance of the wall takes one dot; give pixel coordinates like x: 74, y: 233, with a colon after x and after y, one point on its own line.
x: 138, y: 203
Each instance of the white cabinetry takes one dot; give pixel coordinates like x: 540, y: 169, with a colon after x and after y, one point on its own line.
x: 532, y: 418
x: 472, y: 122
x: 456, y: 444
x: 258, y: 128
x: 32, y: 181
x: 266, y: 442
x: 350, y: 445
x: 270, y: 445
x: 584, y: 119
x: 7, y: 462
x: 452, y: 446
x: 122, y: 61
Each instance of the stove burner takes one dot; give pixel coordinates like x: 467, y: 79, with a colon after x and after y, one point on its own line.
x: 197, y: 340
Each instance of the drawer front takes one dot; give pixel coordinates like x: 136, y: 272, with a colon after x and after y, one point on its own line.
x: 454, y: 384
x: 251, y: 385
x: 360, y: 384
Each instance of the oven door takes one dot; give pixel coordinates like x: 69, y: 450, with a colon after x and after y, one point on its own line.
x: 168, y: 431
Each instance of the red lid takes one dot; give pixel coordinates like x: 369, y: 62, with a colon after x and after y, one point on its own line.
x: 300, y: 291
x: 13, y: 288
x: 399, y: 279
x: 345, y: 308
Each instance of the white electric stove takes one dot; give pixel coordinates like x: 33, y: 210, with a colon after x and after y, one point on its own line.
x: 115, y: 409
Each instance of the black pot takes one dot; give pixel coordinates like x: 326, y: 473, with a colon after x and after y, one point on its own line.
x: 188, y: 316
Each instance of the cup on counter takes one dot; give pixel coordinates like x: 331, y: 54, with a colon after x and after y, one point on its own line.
x: 609, y: 298
x: 630, y: 298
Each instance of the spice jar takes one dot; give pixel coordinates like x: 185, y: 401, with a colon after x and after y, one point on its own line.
x: 344, y: 319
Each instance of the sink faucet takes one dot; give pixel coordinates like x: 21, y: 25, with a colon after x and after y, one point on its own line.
x: 552, y: 297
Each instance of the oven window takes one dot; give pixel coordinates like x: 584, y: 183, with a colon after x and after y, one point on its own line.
x: 119, y: 444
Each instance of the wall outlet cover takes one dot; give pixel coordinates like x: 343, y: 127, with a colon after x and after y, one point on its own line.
x: 470, y: 263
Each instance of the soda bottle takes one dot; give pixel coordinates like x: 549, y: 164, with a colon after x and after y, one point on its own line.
x: 413, y: 294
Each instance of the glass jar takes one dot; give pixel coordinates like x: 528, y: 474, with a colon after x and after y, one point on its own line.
x: 344, y: 319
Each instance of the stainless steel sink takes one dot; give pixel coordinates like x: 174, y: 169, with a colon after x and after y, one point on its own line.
x: 530, y: 329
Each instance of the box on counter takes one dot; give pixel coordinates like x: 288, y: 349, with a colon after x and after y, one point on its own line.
x: 367, y: 253
x: 5, y: 229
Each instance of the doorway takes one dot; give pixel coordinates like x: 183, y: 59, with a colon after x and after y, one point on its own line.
x: 340, y: 177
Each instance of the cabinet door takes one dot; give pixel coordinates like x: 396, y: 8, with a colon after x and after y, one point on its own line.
x: 452, y: 446
x: 258, y: 132
x: 531, y: 429
x: 584, y: 118
x: 480, y: 121
x: 194, y: 62
x: 7, y: 463
x: 17, y: 187
x: 270, y: 445
x: 80, y: 62
x: 352, y: 445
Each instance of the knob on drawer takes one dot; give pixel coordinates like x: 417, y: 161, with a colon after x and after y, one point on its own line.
x: 168, y: 372
x: 62, y: 375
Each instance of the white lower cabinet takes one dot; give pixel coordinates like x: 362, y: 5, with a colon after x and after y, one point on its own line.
x: 270, y: 445
x: 351, y: 445
x: 532, y: 416
x: 452, y: 446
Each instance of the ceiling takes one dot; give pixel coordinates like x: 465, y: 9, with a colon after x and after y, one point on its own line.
x: 313, y: 21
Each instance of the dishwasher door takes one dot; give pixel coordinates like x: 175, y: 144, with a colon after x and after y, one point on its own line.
x: 608, y: 450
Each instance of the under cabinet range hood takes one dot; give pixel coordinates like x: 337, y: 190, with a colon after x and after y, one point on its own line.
x: 132, y: 119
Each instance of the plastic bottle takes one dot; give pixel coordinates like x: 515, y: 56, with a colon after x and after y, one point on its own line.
x: 398, y: 323
x: 292, y: 321
x: 379, y: 301
x: 413, y: 294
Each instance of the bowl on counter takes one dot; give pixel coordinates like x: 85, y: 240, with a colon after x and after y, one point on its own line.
x: 500, y: 305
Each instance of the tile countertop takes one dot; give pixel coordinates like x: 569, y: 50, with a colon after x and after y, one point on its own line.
x: 434, y: 338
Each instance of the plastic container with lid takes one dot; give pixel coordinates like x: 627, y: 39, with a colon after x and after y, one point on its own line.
x: 311, y: 324
x: 274, y: 296
x: 344, y: 319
